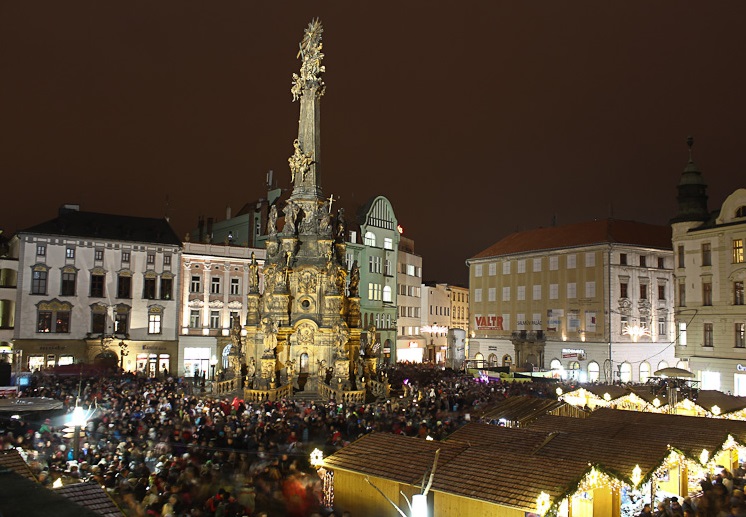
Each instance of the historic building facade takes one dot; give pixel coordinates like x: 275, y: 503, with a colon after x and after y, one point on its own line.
x: 590, y: 300
x: 710, y: 272
x: 98, y: 288
x: 215, y: 287
x: 410, y: 343
x: 8, y: 292
x: 372, y: 243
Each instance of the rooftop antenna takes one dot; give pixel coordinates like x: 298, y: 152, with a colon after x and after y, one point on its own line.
x: 166, y: 210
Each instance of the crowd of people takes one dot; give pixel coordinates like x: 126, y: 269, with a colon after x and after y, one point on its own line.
x: 161, y: 450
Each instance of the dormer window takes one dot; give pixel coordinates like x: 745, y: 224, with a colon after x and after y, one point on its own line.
x: 741, y: 211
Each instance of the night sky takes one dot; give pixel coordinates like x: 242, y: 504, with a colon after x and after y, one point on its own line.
x: 476, y: 119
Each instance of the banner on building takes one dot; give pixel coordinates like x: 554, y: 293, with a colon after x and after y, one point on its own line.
x: 573, y: 320
x: 590, y: 321
x: 553, y: 319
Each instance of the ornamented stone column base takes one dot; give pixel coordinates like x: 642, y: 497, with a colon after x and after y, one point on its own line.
x: 341, y: 370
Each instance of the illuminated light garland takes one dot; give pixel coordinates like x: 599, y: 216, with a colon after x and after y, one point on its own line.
x: 636, y: 475
x: 715, y: 410
x: 543, y: 503
x: 636, y: 331
x: 317, y: 458
x: 704, y: 456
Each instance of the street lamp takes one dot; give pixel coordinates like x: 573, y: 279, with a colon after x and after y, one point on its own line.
x: 78, y: 420
x: 213, y: 362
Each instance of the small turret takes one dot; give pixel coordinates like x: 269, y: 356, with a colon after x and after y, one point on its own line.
x: 692, y: 192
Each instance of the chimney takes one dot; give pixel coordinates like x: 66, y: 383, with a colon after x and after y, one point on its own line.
x: 67, y: 208
x: 210, y: 220
x: 227, y: 212
x: 200, y: 228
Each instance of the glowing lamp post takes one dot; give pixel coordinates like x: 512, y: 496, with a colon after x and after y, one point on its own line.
x: 78, y: 420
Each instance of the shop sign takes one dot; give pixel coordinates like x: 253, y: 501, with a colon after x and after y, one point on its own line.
x: 156, y: 348
x: 492, y: 347
x: 489, y: 322
x: 569, y: 353
x: 8, y: 391
x: 50, y: 348
x: 386, y: 350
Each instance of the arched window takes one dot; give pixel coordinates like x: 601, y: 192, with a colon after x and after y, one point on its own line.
x: 593, y: 371
x: 492, y: 360
x: 574, y: 368
x: 556, y: 364
x: 625, y: 372
x: 662, y: 364
x: 304, y: 363
x: 644, y: 371
x: 370, y: 239
x: 479, y: 358
x: 683, y: 364
x: 387, y: 293
x: 507, y: 360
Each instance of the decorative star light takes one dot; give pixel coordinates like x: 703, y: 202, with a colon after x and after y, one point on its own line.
x: 636, y: 331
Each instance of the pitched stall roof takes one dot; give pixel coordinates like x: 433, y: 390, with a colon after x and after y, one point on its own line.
x: 521, y: 409
x: 93, y: 225
x: 604, y: 231
x: 11, y: 460
x: 552, y: 455
x: 91, y: 496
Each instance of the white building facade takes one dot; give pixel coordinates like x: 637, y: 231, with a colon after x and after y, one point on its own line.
x: 215, y: 283
x: 710, y: 274
x: 592, y: 301
x: 410, y: 344
x: 98, y: 288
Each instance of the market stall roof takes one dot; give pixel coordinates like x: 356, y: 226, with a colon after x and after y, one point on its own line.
x: 727, y: 403
x: 522, y: 409
x: 29, y: 404
x: 92, y: 496
x: 689, y: 434
x: 599, y: 390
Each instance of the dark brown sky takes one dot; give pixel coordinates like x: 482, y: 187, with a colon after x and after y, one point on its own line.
x: 474, y: 118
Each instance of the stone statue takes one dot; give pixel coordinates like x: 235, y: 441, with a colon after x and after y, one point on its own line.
x: 341, y: 279
x: 341, y: 336
x: 269, y: 279
x: 291, y: 212
x: 253, y: 274
x: 371, y: 346
x: 325, y: 218
x: 272, y: 221
x: 300, y: 162
x: 311, y: 56
x: 355, y: 280
x: 269, y: 328
x: 322, y: 367
x: 236, y: 335
x: 341, y: 224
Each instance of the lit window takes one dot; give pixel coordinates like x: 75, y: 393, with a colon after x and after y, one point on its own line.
x: 151, y: 258
x: 41, y: 250
x: 70, y: 253
x: 737, y: 251
x: 98, y: 255
x: 387, y: 294
x: 125, y: 257
x: 166, y: 260
x: 154, y: 323
x: 370, y: 239
x: 740, y: 335
x: 388, y: 243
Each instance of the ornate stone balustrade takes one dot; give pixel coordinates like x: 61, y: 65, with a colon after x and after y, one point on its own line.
x: 346, y: 397
x: 379, y: 389
x: 268, y: 394
x: 226, y: 386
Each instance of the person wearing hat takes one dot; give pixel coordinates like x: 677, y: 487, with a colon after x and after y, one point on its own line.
x: 676, y: 509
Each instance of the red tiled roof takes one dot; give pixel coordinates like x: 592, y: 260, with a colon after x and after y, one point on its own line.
x: 602, y: 231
